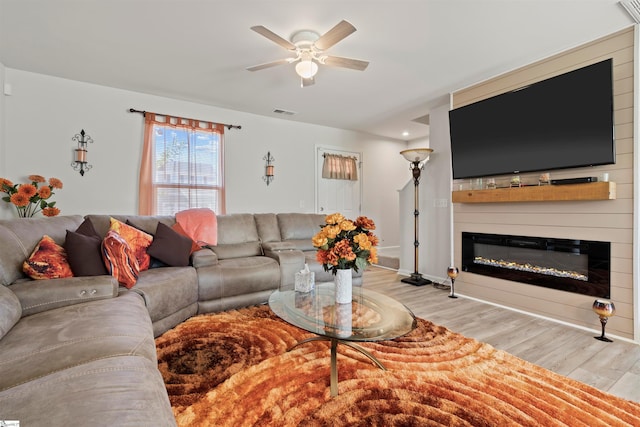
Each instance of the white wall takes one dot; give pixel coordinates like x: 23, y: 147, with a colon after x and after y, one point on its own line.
x: 3, y: 157
x: 45, y: 112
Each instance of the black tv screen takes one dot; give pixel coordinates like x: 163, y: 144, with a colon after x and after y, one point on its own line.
x: 562, y: 122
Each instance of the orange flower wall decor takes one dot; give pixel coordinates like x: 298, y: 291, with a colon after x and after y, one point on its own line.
x: 32, y: 197
x: 343, y: 244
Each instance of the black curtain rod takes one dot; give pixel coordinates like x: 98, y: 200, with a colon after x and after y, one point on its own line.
x: 133, y: 110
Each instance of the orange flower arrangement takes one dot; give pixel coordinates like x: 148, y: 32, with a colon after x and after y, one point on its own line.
x: 29, y: 198
x: 344, y: 244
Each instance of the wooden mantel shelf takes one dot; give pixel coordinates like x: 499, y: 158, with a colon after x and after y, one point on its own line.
x: 545, y: 193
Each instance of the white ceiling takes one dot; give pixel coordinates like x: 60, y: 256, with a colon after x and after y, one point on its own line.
x: 197, y: 50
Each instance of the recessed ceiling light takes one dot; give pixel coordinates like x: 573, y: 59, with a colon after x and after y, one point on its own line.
x: 405, y: 133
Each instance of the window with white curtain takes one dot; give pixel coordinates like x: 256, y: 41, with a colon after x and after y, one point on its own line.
x: 184, y: 166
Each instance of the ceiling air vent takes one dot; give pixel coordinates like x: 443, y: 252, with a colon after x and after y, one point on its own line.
x: 284, y: 112
x: 422, y: 120
x: 633, y: 7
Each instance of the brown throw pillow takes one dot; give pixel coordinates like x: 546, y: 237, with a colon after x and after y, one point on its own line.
x: 87, y: 228
x: 84, y: 254
x: 170, y: 247
x: 119, y: 259
x: 47, y: 261
x: 84, y: 250
x: 178, y: 229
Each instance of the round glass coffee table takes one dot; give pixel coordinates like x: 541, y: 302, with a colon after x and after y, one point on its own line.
x: 370, y: 316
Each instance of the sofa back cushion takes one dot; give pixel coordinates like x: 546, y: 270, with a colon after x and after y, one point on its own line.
x: 267, y: 224
x: 237, y: 237
x: 10, y: 310
x: 148, y: 224
x: 299, y: 228
x: 19, y: 236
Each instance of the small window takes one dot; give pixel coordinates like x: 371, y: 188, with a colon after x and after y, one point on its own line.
x: 186, y: 166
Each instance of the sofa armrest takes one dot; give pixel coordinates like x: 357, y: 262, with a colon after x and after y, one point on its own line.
x: 277, y: 246
x: 290, y: 261
x: 204, y: 258
x: 42, y: 295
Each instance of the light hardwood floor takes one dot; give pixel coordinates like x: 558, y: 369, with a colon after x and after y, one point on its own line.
x: 612, y: 367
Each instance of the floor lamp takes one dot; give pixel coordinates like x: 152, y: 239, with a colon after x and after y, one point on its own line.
x: 417, y: 157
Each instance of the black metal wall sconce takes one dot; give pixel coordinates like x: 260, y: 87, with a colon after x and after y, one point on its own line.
x: 268, y: 172
x: 80, y: 158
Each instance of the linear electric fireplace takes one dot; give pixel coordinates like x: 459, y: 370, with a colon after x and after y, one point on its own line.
x: 579, y: 266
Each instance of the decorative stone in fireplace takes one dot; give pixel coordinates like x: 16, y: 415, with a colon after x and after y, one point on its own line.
x: 579, y: 266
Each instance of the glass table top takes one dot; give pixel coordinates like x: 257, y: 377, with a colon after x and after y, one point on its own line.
x: 371, y: 316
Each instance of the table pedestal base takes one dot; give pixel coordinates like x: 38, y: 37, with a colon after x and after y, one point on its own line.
x: 334, y: 357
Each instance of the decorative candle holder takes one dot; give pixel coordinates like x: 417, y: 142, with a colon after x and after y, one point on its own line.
x: 268, y: 168
x: 452, y: 272
x: 80, y: 158
x: 604, y: 309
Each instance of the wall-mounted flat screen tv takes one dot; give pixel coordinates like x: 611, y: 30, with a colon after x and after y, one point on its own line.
x: 562, y: 122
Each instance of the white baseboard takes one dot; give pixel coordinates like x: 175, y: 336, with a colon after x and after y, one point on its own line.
x: 539, y: 316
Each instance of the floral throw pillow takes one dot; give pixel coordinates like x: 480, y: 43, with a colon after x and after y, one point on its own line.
x: 138, y: 240
x: 120, y: 259
x: 47, y: 261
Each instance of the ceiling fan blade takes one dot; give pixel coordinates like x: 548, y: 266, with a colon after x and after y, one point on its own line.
x: 273, y: 37
x: 337, y: 61
x: 307, y: 82
x: 334, y: 35
x: 270, y: 64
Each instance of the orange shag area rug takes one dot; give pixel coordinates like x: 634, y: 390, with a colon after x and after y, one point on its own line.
x: 233, y: 369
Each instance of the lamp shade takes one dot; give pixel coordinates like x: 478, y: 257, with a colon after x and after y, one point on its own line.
x: 306, y: 69
x: 416, y: 154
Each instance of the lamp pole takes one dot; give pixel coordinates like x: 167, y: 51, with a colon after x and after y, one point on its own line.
x: 416, y: 157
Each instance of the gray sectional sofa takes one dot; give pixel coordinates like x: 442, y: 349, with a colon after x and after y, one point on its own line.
x: 81, y: 351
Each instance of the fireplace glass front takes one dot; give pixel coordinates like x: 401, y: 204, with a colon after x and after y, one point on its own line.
x: 580, y: 266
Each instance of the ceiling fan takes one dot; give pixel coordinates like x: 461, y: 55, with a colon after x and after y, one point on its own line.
x: 309, y: 49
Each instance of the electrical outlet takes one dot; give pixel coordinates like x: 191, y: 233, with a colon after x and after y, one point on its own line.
x: 440, y: 203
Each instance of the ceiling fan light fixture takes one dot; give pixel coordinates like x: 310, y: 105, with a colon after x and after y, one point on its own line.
x: 306, y: 68
x: 308, y: 48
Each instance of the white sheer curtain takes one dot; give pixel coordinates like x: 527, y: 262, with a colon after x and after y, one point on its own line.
x: 336, y: 166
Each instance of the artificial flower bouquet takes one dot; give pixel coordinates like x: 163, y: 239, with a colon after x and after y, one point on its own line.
x: 343, y: 244
x: 31, y: 198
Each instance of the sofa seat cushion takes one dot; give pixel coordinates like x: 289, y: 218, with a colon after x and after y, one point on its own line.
x: 167, y: 290
x: 58, y: 339
x: 248, y: 275
x: 124, y: 390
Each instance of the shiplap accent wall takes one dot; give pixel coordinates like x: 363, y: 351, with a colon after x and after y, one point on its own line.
x: 609, y: 220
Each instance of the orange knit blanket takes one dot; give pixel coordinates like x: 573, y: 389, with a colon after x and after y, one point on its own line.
x: 200, y: 224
